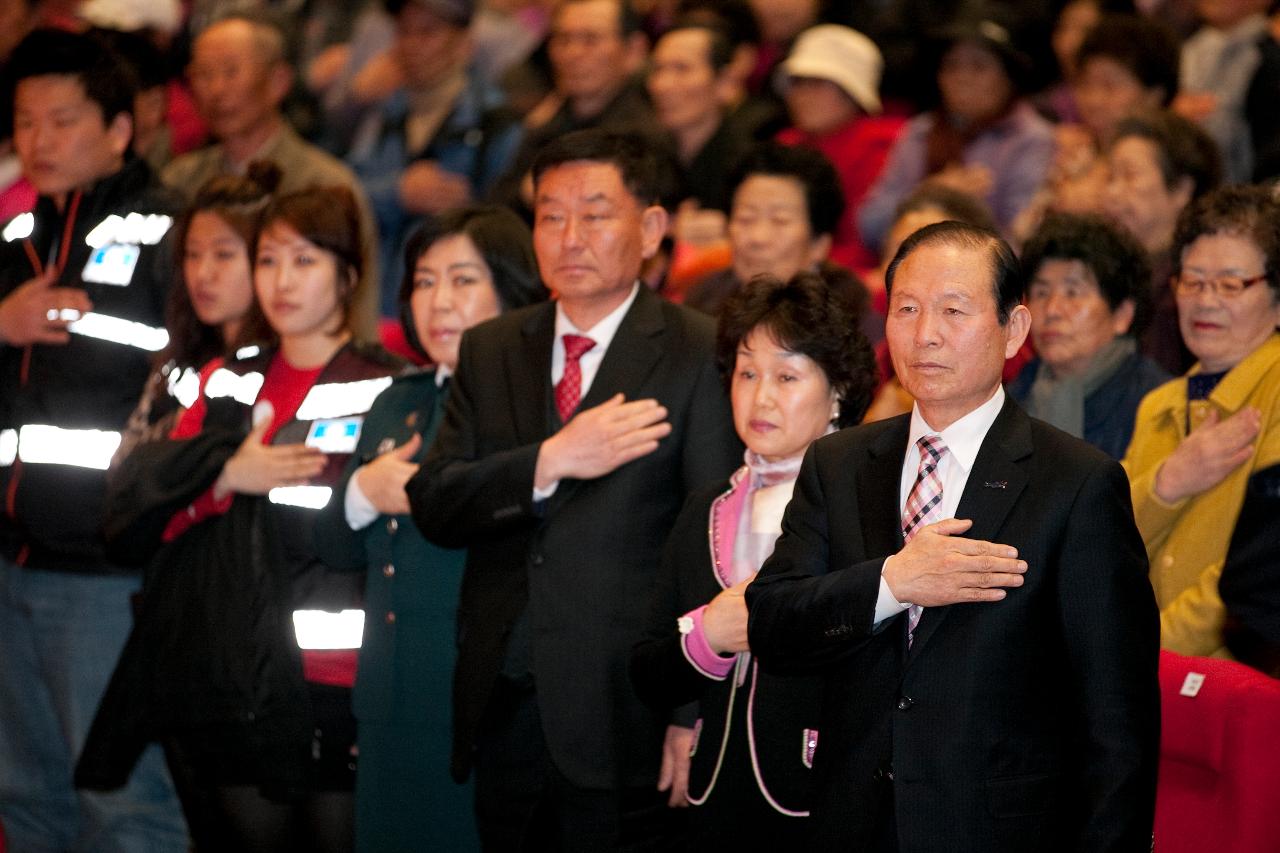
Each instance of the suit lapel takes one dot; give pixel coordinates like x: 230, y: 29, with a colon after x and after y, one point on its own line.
x: 878, y: 485
x: 529, y: 372
x: 633, y: 352
x: 994, y: 486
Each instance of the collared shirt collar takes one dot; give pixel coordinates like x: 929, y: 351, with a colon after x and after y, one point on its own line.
x: 964, y: 437
x: 602, y: 332
x: 443, y: 372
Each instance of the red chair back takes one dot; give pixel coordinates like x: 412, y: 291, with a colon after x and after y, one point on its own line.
x: 1219, y: 758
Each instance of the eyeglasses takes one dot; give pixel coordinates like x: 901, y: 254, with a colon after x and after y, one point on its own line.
x: 1226, y: 286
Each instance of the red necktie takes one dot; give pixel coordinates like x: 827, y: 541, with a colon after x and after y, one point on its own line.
x: 924, y: 505
x: 569, y: 388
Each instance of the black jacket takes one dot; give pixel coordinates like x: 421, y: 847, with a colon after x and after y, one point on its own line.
x: 213, y: 638
x: 53, y: 518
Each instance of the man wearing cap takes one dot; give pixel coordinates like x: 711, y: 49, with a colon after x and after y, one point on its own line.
x: 831, y: 81
x: 439, y: 140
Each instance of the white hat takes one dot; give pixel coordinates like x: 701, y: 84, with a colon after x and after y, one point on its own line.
x: 842, y: 55
x: 132, y: 15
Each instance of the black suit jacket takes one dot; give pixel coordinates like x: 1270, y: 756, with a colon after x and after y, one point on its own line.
x: 1028, y: 724
x: 583, y: 561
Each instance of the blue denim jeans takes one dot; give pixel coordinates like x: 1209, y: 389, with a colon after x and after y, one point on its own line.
x: 60, y: 637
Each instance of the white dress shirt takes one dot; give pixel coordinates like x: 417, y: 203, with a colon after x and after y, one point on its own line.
x: 963, y: 440
x: 602, y: 333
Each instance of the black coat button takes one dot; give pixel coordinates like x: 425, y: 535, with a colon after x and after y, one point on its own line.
x: 904, y: 703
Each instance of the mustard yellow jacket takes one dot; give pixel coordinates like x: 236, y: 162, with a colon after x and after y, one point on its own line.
x: 1187, y: 541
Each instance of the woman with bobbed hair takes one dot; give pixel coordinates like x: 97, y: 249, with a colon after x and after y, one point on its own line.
x: 461, y: 268
x: 1201, y: 438
x: 1087, y: 291
x: 243, y: 650
x: 797, y: 368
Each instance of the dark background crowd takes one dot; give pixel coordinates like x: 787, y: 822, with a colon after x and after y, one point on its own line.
x: 289, y: 562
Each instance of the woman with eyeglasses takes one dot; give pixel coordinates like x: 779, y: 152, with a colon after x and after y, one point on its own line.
x: 1200, y: 439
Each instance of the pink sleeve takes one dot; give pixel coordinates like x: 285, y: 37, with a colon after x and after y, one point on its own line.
x: 699, y: 652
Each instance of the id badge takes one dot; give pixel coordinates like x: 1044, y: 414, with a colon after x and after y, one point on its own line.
x: 113, y: 263
x: 335, y: 435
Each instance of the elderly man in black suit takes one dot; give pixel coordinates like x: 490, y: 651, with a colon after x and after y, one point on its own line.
x: 573, y: 434
x: 991, y: 683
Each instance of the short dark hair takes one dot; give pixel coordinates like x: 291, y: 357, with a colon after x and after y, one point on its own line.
x: 239, y: 201
x: 733, y: 17
x: 823, y: 193
x: 107, y: 80
x: 1146, y: 48
x: 629, y: 22
x: 956, y: 204
x: 1184, y: 149
x: 1112, y: 255
x: 1006, y: 272
x: 719, y: 48
x: 806, y: 316
x: 330, y: 218
x: 631, y: 154
x: 501, y: 238
x: 1246, y: 211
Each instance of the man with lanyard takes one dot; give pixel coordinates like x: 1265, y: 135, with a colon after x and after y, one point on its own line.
x: 83, y: 280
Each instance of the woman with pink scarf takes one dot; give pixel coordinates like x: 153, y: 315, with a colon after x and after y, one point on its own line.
x: 741, y: 741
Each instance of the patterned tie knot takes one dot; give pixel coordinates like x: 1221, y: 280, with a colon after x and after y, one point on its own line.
x: 575, y: 346
x: 932, y: 449
x: 925, y: 500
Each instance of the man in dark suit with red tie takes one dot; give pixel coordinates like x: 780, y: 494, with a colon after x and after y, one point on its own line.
x: 971, y: 583
x: 573, y: 433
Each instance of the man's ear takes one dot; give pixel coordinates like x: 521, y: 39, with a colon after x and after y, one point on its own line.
x: 653, y: 226
x: 1016, y: 329
x: 281, y: 81
x: 637, y: 52
x: 120, y: 133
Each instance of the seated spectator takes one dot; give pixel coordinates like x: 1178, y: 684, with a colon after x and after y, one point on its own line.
x: 1260, y: 100
x: 781, y: 22
x: 463, y: 268
x: 1156, y: 165
x: 761, y: 114
x: 1218, y: 64
x: 786, y: 204
x: 983, y: 139
x: 240, y: 75
x: 1127, y: 64
x: 832, y: 85
x: 597, y: 50
x: 1087, y: 291
x: 796, y: 369
x: 439, y: 140
x: 1200, y: 438
x: 687, y: 73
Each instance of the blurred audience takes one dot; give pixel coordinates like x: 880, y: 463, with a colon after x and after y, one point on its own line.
x: 983, y: 138
x: 787, y: 203
x: 1087, y: 289
x: 1156, y: 165
x: 240, y: 74
x: 439, y: 140
x: 831, y: 81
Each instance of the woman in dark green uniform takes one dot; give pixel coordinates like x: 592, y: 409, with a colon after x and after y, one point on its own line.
x: 464, y: 267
